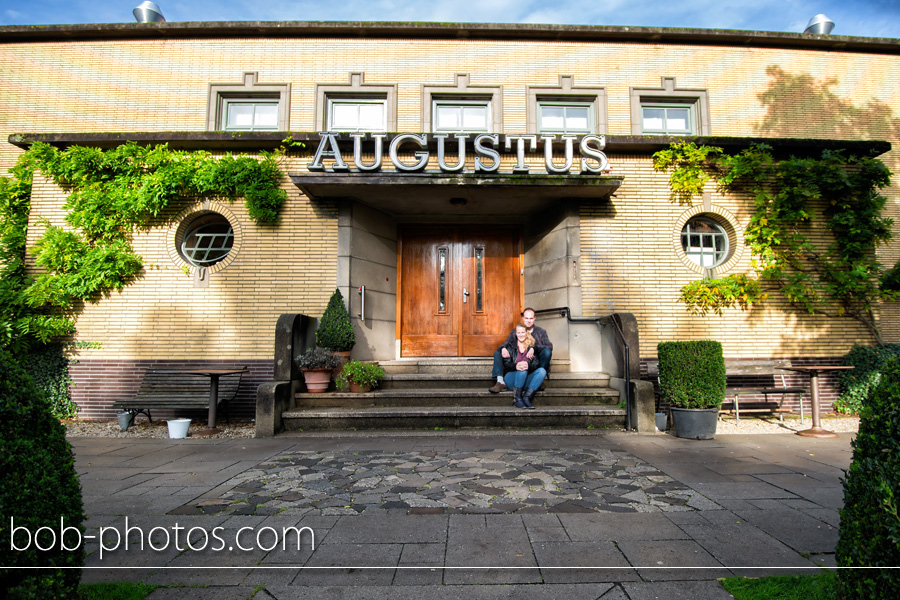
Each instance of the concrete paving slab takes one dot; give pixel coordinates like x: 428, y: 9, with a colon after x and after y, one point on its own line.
x: 620, y: 527
x: 740, y: 501
x: 682, y: 590
x: 583, y: 562
x: 687, y: 559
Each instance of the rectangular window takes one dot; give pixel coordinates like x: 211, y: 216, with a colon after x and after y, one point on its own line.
x: 356, y: 115
x: 461, y: 116
x: 668, y: 119
x: 559, y: 117
x: 250, y: 115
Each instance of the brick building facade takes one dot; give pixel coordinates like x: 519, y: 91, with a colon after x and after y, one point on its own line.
x: 616, y: 248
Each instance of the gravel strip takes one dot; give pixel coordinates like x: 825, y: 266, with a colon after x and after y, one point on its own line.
x: 246, y: 429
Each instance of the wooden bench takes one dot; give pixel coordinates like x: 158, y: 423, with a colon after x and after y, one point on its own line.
x: 174, y: 389
x: 759, y: 369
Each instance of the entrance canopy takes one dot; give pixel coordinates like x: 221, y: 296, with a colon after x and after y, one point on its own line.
x: 467, y: 193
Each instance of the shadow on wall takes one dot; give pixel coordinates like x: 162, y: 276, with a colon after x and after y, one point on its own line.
x: 801, y: 102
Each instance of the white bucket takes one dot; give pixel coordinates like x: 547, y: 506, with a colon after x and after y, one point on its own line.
x: 178, y: 428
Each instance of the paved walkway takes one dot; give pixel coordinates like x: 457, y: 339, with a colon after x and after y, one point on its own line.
x: 458, y: 514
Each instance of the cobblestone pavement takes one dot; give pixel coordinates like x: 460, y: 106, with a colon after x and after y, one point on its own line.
x: 492, y: 481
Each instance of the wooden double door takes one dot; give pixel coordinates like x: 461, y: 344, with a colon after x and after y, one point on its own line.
x: 460, y: 289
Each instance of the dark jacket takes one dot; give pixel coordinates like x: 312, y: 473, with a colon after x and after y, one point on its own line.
x: 509, y: 364
x: 541, y: 340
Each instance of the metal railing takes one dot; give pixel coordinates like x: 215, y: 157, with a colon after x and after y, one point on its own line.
x: 564, y: 311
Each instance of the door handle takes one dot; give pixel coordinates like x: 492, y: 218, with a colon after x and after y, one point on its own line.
x: 465, y: 295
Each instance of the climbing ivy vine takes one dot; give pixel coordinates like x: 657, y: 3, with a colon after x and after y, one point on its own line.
x: 112, y: 194
x: 839, y: 277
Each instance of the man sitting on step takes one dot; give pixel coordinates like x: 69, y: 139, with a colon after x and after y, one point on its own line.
x: 542, y: 346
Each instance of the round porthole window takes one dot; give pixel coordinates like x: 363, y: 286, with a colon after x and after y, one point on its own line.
x: 705, y: 242
x: 207, y: 240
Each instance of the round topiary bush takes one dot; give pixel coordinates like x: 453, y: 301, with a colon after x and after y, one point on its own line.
x: 335, y: 331
x: 40, y: 496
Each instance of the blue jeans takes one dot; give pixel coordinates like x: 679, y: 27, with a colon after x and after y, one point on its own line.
x: 544, y: 356
x: 524, y: 379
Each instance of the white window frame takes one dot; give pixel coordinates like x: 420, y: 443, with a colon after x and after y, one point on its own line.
x: 460, y: 104
x: 221, y: 95
x: 357, y: 102
x: 228, y: 103
x: 564, y: 104
x: 699, y: 254
x: 669, y: 94
x: 665, y: 106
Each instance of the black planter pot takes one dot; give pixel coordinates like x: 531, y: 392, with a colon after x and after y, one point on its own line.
x: 695, y: 423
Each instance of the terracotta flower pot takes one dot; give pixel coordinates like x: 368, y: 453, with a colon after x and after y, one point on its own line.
x: 317, y: 380
x: 357, y: 388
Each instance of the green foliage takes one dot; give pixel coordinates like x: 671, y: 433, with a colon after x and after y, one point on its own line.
x: 40, y: 488
x: 319, y: 358
x: 840, y: 278
x: 688, y: 164
x: 112, y: 194
x: 363, y: 374
x: 124, y: 590
x: 704, y: 295
x: 823, y: 586
x: 857, y: 385
x: 692, y: 374
x: 890, y: 281
x: 335, y: 331
x: 48, y: 367
x: 870, y: 523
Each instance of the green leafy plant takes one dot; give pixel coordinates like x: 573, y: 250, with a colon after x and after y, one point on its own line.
x: 40, y: 490
x: 692, y: 374
x: 856, y: 385
x: 112, y: 194
x: 823, y: 586
x: 335, y: 331
x: 364, y: 374
x: 48, y: 366
x: 839, y: 277
x: 870, y: 519
x: 319, y: 359
x: 704, y: 295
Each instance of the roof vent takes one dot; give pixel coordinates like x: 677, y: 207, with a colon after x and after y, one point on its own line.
x: 148, y: 12
x: 820, y: 25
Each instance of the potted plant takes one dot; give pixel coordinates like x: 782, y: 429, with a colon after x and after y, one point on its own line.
x: 360, y: 376
x: 317, y: 365
x: 692, y: 382
x: 335, y: 331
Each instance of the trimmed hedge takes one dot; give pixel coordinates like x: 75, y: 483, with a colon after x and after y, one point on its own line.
x: 335, y: 331
x: 48, y: 366
x: 870, y: 523
x: 692, y: 374
x: 856, y: 384
x: 39, y: 489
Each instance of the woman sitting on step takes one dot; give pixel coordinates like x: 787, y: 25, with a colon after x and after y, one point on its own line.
x: 523, y: 375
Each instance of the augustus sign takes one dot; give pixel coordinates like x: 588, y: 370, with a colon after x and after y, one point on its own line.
x: 484, y: 148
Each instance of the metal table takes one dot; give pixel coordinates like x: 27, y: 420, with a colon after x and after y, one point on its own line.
x: 213, y: 375
x: 813, y: 371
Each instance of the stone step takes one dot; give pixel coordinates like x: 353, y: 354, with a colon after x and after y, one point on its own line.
x: 430, y: 398
x: 455, y: 366
x: 407, y: 381
x: 451, y: 417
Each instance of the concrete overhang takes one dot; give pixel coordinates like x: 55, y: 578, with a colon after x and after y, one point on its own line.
x: 436, y: 193
x: 239, y: 141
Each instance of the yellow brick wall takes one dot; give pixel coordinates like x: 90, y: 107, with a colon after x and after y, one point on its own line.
x: 284, y: 268
x: 629, y: 261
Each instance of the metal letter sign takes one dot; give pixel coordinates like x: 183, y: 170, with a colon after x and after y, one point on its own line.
x: 484, y: 147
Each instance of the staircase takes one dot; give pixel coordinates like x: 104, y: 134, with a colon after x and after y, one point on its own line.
x: 449, y: 393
